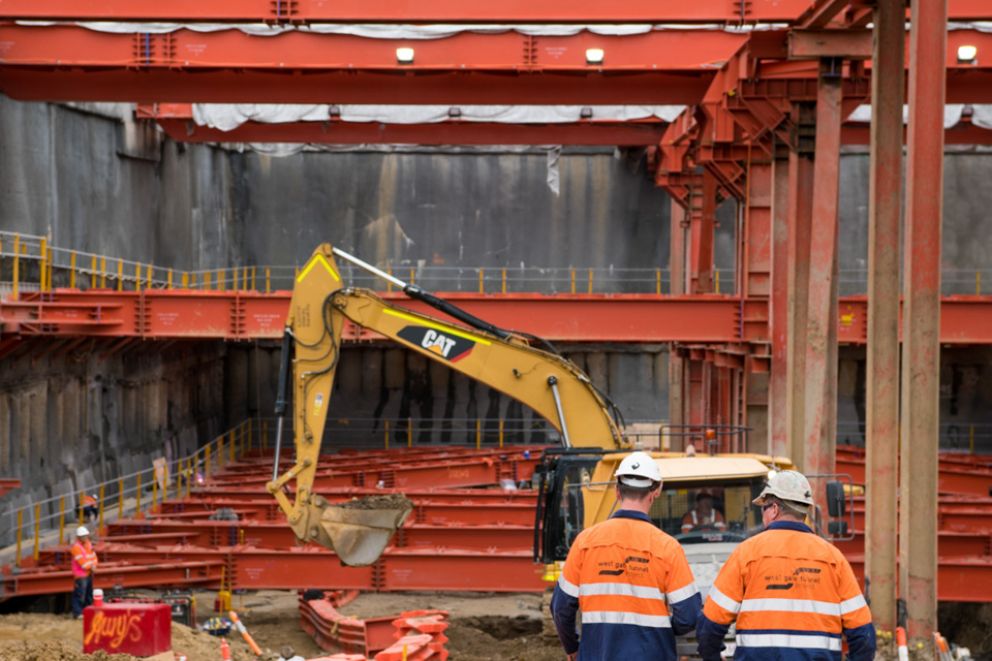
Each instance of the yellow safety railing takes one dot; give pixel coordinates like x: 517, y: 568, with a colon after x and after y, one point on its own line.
x: 122, y: 496
x: 32, y: 263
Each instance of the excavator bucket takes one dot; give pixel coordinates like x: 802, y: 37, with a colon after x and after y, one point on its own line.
x: 358, y: 530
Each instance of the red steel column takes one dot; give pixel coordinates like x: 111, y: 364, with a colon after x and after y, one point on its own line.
x: 820, y: 418
x: 800, y: 217
x: 703, y: 224
x: 778, y: 387
x: 885, y: 193
x: 921, y: 318
x: 756, y: 270
x: 676, y: 266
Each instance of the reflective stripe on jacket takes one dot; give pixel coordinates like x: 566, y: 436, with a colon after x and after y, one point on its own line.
x: 793, y: 596
x: 691, y: 520
x: 634, y: 587
x: 83, y: 559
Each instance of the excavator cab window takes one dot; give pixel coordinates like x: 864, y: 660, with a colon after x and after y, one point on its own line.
x: 699, y: 514
x: 561, y: 508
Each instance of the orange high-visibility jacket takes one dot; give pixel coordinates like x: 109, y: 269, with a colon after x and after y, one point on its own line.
x: 793, y: 595
x: 693, y: 520
x: 84, y: 559
x: 634, y: 587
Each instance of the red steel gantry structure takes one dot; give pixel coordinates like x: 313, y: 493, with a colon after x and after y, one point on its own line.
x: 763, y: 125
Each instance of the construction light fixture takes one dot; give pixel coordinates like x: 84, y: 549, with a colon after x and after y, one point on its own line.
x: 404, y: 55
x: 595, y: 55
x: 967, y: 54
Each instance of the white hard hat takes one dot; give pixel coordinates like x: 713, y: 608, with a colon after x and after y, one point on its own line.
x: 82, y: 531
x: 638, y: 469
x: 787, y: 485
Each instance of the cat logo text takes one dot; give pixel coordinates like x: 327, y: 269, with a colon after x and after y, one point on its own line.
x: 449, y: 347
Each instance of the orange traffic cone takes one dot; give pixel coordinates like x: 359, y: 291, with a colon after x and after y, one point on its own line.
x: 901, y: 646
x: 225, y: 650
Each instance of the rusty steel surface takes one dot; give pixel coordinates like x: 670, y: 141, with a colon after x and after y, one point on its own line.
x: 239, y: 315
x: 456, y: 539
x: 798, y: 252
x: 820, y: 364
x: 176, y: 119
x: 449, y: 11
x: 399, y: 11
x: 69, y: 62
x: 958, y: 578
x: 882, y: 376
x: 55, y: 579
x: 658, y: 67
x: 459, y: 534
x: 593, y: 133
x: 953, y: 478
x: 702, y: 219
x: 8, y: 484
x: 918, y: 554
x: 778, y: 397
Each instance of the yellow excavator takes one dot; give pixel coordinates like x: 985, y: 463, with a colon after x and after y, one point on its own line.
x: 519, y: 365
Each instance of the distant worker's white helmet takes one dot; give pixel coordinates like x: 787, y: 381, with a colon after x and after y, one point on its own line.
x: 82, y: 531
x: 787, y: 485
x: 638, y: 469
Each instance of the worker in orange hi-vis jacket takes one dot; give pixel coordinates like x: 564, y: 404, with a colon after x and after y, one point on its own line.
x: 630, y: 579
x: 84, y: 563
x: 792, y: 593
x: 703, y: 516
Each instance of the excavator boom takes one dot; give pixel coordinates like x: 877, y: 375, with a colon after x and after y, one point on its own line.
x: 551, y: 385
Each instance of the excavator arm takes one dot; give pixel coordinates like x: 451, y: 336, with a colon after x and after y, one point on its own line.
x: 551, y: 385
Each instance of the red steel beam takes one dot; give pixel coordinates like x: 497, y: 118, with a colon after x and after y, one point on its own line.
x: 970, y: 517
x: 957, y: 579
x: 952, y: 479
x: 174, y: 314
x: 309, y: 567
x: 951, y: 544
x: 68, y: 62
x: 278, y: 535
x: 821, y: 13
x: 176, y: 119
x: 962, y: 133
x: 188, y: 314
x: 594, y: 133
x: 8, y: 484
x: 431, y: 11
x: 401, y: 11
x: 113, y: 574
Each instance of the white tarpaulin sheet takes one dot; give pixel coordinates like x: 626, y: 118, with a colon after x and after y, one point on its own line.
x: 411, y: 32
x: 982, y: 116
x: 952, y: 113
x: 227, y: 117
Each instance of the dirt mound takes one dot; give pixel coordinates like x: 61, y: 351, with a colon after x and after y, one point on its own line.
x: 388, y: 502
x: 503, y: 627
x: 46, y: 650
x: 467, y: 641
